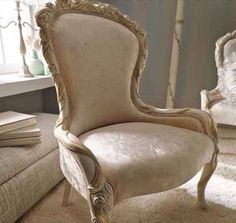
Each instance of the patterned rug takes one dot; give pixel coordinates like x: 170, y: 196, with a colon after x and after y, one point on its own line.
x: 175, y: 206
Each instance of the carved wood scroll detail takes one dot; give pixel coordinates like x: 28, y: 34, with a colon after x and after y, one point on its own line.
x: 100, y: 194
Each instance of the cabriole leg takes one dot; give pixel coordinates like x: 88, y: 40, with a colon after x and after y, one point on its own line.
x: 207, y: 172
x: 66, y: 195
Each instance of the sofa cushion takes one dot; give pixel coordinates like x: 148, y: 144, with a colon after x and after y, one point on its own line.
x: 146, y: 157
x: 15, y: 159
x: 226, y: 132
x: 22, y: 191
x: 224, y: 112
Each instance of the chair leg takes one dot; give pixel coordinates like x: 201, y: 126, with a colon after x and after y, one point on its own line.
x: 207, y: 172
x: 66, y: 195
x: 101, y: 203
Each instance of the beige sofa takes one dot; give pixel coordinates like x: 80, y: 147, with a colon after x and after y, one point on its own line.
x: 28, y: 173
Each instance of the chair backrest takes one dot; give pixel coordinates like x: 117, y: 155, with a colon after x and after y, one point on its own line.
x: 225, y: 56
x: 96, y: 55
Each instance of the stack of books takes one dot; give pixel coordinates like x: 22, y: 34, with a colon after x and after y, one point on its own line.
x: 18, y: 129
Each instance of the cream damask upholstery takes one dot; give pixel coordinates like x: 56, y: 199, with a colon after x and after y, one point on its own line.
x: 141, y: 152
x: 224, y: 112
x: 221, y: 101
x: 112, y: 145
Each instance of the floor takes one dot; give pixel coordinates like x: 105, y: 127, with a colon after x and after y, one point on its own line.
x: 175, y: 206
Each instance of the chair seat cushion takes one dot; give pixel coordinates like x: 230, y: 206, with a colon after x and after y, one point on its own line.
x: 13, y: 160
x: 224, y: 112
x: 227, y: 133
x: 140, y: 158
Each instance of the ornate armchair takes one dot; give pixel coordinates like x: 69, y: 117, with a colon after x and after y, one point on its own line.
x: 112, y: 145
x: 221, y: 101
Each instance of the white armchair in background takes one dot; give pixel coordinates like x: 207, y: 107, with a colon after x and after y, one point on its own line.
x: 112, y: 145
x: 221, y: 101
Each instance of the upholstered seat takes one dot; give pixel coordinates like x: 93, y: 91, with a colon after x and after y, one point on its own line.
x: 141, y: 152
x: 227, y: 133
x: 224, y: 112
x: 112, y: 145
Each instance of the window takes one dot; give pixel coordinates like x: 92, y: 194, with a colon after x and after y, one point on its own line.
x: 10, y: 57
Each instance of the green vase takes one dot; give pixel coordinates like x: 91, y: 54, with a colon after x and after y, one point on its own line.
x: 36, y: 65
x: 46, y: 70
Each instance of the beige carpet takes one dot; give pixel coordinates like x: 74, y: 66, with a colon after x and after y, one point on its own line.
x: 176, y: 206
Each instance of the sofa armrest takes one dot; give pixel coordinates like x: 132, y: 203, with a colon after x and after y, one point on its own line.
x: 209, y: 98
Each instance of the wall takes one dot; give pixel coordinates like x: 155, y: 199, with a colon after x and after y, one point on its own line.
x: 36, y: 101
x: 205, y: 22
x: 27, y: 102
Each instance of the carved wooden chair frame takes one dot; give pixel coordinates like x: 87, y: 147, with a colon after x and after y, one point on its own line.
x: 96, y: 189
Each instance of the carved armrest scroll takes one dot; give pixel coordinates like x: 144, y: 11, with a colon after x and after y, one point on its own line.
x: 88, y: 162
x: 209, y: 98
x: 100, y: 191
x: 187, y: 118
x: 192, y: 119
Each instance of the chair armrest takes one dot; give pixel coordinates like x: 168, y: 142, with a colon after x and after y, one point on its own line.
x: 85, y: 158
x: 209, y: 98
x: 192, y: 119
